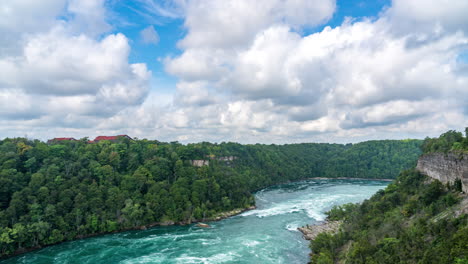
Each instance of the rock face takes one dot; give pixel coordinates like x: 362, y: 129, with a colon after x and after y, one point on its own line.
x: 445, y: 167
x: 200, y: 163
x: 310, y: 232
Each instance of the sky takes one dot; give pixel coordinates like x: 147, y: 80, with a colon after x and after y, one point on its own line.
x: 265, y: 71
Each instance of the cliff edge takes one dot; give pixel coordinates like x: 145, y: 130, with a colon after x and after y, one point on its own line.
x: 445, y: 167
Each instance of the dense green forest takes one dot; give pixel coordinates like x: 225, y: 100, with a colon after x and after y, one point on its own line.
x: 55, y: 192
x: 414, y: 220
x: 448, y: 141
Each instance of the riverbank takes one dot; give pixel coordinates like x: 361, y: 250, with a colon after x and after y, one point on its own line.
x: 310, y: 232
x: 349, y: 178
x: 217, y: 217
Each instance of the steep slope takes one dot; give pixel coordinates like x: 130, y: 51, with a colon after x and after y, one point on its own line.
x: 420, y: 218
x: 448, y: 167
x: 411, y: 221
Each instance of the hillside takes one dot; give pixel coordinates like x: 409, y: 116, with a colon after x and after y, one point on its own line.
x: 416, y: 219
x: 61, y: 191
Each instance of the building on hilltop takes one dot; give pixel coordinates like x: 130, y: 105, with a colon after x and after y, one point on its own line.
x: 110, y: 138
x: 96, y: 140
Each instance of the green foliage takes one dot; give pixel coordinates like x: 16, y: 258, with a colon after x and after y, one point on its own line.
x: 405, y: 223
x: 338, y: 212
x: 67, y: 190
x: 448, y: 141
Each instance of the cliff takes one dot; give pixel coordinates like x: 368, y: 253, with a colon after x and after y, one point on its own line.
x: 445, y: 167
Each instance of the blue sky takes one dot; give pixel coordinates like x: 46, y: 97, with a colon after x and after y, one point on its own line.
x: 268, y: 71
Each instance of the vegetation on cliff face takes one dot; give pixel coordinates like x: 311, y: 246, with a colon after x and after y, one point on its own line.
x: 58, y: 192
x: 414, y: 220
x: 408, y: 222
x: 448, y: 141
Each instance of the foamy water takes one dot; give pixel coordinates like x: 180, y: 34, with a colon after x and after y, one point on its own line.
x: 267, y: 234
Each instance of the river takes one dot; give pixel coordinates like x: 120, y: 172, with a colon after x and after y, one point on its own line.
x: 267, y: 234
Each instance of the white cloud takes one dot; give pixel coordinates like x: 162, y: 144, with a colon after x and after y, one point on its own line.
x: 194, y: 93
x: 88, y: 16
x: 432, y: 18
x: 149, y: 35
x: 162, y: 8
x: 198, y: 64
x: 59, y: 63
x: 233, y: 23
x: 365, y: 74
x: 260, y: 71
x: 15, y: 104
x: 21, y: 17
x: 66, y: 75
x: 247, y: 73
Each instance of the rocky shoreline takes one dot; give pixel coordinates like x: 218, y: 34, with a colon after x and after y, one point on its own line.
x: 310, y: 232
x: 217, y: 217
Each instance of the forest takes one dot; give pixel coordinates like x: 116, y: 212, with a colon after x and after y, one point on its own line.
x: 414, y: 220
x: 54, y: 192
x: 448, y: 141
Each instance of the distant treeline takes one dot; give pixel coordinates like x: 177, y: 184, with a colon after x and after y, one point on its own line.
x: 51, y: 193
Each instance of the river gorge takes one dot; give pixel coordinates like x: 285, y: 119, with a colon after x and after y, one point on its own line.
x: 267, y: 234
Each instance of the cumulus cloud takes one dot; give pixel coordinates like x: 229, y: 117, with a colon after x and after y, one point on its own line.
x: 231, y: 24
x: 23, y: 15
x: 246, y: 72
x: 63, y: 73
x: 424, y: 19
x: 88, y: 16
x: 17, y: 105
x: 372, y: 74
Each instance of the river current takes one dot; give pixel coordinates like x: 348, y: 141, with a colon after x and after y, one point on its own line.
x: 267, y: 234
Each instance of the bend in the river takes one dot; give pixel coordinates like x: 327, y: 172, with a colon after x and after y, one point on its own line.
x: 267, y: 234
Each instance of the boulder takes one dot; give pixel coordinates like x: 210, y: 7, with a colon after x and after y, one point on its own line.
x: 310, y: 232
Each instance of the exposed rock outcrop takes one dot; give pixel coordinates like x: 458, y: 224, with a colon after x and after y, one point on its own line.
x: 227, y: 214
x: 228, y: 160
x: 200, y: 163
x: 445, y: 167
x: 310, y: 232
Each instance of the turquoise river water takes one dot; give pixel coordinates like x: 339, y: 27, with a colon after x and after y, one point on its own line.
x: 267, y: 234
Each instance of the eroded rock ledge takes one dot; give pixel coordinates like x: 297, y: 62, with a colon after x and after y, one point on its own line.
x: 310, y: 232
x: 445, y: 167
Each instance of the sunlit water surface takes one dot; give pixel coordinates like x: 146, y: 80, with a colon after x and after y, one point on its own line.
x: 267, y: 234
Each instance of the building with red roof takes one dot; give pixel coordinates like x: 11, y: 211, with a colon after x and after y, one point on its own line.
x: 96, y: 140
x: 110, y: 138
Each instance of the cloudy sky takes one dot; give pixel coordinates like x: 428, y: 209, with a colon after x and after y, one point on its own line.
x: 268, y: 71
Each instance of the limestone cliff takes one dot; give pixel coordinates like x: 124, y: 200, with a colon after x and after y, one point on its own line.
x: 445, y: 167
